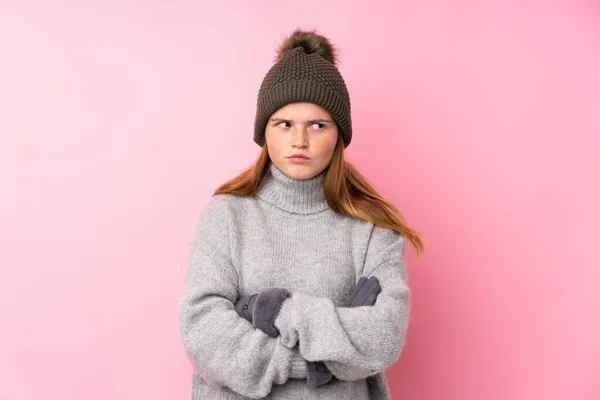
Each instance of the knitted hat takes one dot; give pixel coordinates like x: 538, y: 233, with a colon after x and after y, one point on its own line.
x: 305, y: 71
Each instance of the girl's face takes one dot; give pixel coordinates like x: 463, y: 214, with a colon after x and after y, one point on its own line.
x: 304, y: 128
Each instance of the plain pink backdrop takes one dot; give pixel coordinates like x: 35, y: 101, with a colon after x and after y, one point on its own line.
x: 480, y: 120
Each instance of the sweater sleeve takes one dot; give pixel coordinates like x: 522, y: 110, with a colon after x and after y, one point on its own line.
x: 223, y: 348
x: 359, y: 342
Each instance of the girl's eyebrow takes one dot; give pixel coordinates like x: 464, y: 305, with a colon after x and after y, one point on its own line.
x: 312, y: 121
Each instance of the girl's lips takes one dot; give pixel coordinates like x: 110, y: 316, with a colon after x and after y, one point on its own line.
x: 298, y: 159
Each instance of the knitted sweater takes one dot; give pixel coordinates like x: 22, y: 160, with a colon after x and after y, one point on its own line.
x: 287, y: 236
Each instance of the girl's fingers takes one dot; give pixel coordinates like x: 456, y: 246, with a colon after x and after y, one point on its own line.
x: 372, y: 288
x: 371, y: 300
x: 356, y: 289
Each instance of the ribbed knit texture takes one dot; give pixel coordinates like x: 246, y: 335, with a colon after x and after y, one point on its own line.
x: 301, y: 77
x: 287, y: 236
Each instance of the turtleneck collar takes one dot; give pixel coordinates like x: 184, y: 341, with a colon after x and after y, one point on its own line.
x: 296, y: 196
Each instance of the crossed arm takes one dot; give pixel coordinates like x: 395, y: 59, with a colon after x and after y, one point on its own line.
x: 354, y: 343
x: 261, y: 309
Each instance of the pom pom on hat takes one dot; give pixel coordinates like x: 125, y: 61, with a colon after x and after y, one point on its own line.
x: 311, y: 42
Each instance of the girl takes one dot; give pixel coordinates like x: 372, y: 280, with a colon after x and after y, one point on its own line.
x: 296, y: 286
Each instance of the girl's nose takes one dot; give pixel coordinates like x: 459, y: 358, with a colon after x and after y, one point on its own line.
x: 300, y: 137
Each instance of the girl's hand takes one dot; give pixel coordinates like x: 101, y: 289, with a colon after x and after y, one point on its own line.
x: 365, y: 292
x: 261, y: 309
x: 245, y: 306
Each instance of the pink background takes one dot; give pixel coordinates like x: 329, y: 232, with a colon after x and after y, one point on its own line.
x: 480, y: 120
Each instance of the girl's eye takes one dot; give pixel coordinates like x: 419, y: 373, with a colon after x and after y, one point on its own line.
x: 319, y: 125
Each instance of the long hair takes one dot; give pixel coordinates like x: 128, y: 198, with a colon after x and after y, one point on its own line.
x: 345, y: 190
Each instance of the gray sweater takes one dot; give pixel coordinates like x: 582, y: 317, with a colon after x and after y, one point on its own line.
x: 287, y: 236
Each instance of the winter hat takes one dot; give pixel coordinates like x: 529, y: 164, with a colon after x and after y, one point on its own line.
x: 305, y: 71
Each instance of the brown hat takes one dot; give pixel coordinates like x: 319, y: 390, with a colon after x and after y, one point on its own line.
x: 305, y: 71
